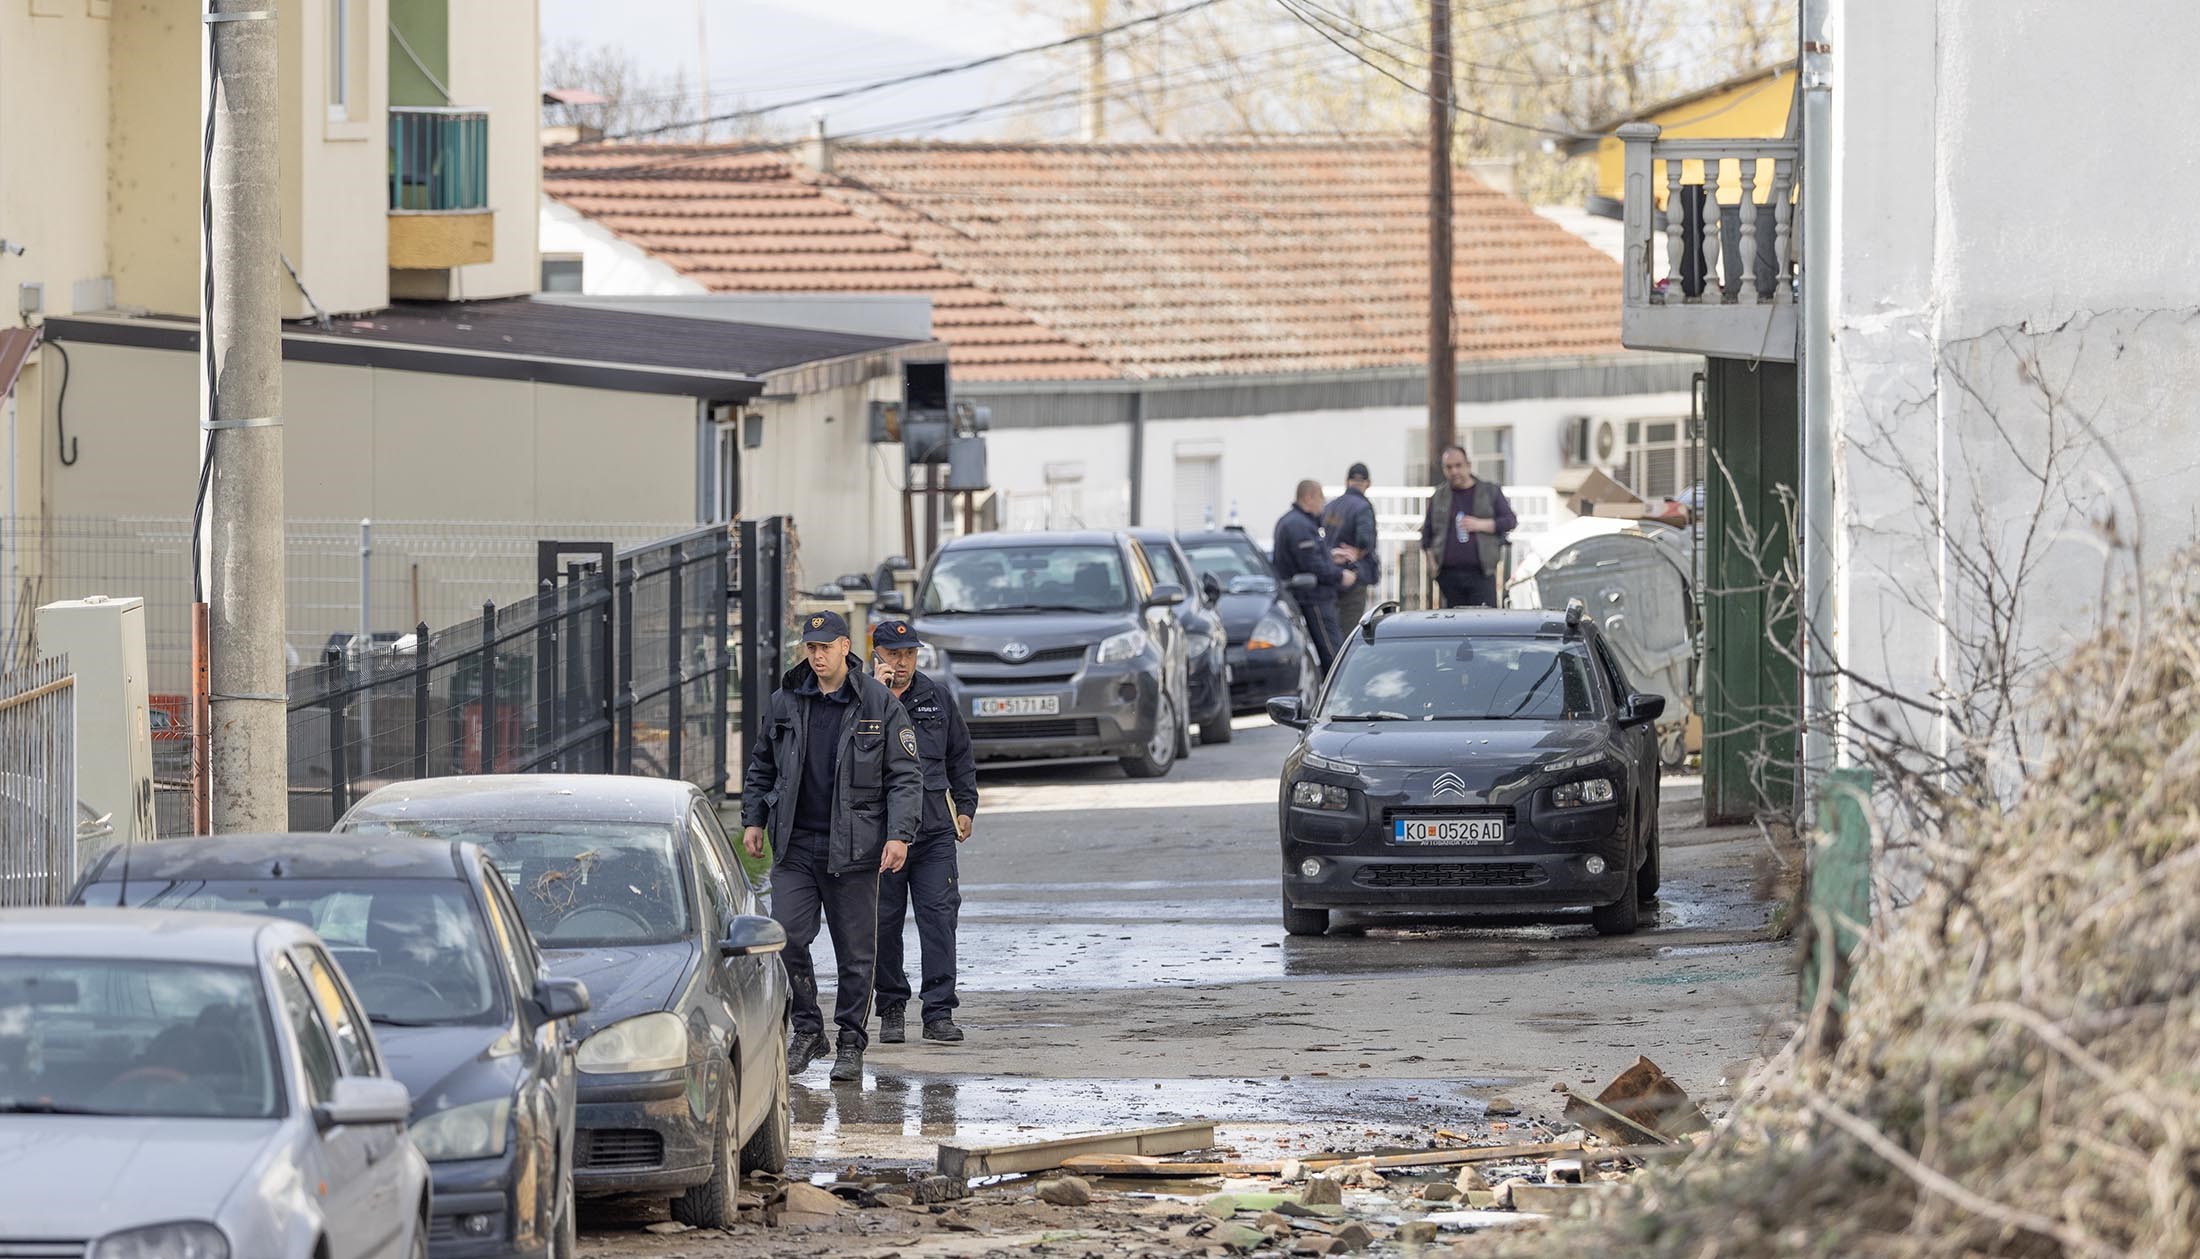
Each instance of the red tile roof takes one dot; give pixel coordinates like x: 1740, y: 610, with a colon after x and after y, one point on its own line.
x: 1104, y: 261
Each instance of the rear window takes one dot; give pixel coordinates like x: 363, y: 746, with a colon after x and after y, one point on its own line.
x: 1463, y: 679
x: 1036, y: 578
x: 1225, y: 560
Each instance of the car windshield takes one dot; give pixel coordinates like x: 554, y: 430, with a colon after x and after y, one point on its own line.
x: 415, y: 950
x: 1462, y: 679
x: 102, y: 1036
x: 578, y: 884
x: 1226, y: 560
x: 1036, y: 578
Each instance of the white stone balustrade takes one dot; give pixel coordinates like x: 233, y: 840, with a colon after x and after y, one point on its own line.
x: 1722, y: 280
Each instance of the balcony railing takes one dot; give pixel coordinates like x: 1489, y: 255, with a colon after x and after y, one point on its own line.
x: 1712, y: 269
x: 439, y: 159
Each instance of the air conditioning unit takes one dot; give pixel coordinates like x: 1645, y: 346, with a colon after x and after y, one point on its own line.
x: 1573, y: 441
x: 1604, y: 448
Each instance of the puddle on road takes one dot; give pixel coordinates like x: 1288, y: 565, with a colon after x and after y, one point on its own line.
x: 905, y: 1116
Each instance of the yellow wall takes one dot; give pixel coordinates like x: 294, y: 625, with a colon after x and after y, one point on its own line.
x: 1755, y: 110
x: 153, y: 156
x: 494, y: 64
x: 53, y: 150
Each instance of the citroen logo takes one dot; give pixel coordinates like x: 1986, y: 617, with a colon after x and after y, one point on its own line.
x: 1014, y: 652
x: 1448, y: 783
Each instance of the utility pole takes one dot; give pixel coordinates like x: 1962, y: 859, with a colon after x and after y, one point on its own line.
x: 1443, y: 366
x: 240, y: 415
x: 702, y: 66
x: 1821, y: 744
x: 1096, y: 76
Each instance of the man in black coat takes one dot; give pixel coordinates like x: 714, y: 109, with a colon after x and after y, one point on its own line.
x: 1300, y: 548
x: 835, y: 784
x: 929, y: 879
x: 1349, y: 524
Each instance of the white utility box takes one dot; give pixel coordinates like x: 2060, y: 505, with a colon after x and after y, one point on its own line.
x: 104, y: 640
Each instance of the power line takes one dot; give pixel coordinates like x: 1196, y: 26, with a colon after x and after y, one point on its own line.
x: 917, y: 76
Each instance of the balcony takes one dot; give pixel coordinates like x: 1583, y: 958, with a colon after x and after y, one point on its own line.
x: 1711, y: 242
x: 439, y: 188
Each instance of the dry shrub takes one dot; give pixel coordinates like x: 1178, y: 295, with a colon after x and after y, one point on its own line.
x: 2019, y: 1073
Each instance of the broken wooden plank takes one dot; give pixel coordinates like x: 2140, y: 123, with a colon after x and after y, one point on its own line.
x: 1141, y: 1165
x: 1645, y: 1100
x: 1606, y: 1122
x: 1451, y: 1158
x: 973, y: 1162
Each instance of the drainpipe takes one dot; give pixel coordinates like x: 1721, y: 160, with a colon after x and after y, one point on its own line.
x: 1820, y: 746
x: 1138, y: 456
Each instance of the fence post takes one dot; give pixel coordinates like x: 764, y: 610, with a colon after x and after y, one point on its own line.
x: 488, y: 687
x: 746, y: 659
x: 548, y: 625
x: 721, y: 551
x: 421, y: 665
x: 623, y: 719
x: 676, y: 662
x: 339, y: 768
x: 366, y: 646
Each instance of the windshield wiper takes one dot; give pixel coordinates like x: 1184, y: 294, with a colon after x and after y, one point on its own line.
x: 1371, y: 717
x: 389, y: 1021
x: 13, y: 1106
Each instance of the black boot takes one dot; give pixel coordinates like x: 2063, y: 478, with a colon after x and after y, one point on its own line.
x: 891, y: 1029
x: 804, y: 1048
x: 848, y: 1067
x: 942, y: 1029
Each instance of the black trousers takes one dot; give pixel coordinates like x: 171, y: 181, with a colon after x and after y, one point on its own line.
x: 801, y: 889
x: 1321, y: 622
x: 1466, y: 588
x: 1351, y: 606
x: 929, y: 882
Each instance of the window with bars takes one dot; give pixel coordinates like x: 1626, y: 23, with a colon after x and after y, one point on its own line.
x: 1661, y: 460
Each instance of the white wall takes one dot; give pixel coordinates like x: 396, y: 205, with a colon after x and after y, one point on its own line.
x: 609, y: 265
x: 2014, y: 291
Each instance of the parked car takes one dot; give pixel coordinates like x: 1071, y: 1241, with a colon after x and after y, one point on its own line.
x: 471, y: 1021
x: 1058, y: 644
x: 630, y: 885
x: 1471, y: 759
x: 1206, y: 644
x: 1270, y: 652
x: 195, y: 1084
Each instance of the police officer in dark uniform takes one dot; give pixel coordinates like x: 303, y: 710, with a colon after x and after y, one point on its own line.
x: 836, y: 786
x: 1349, y: 524
x: 1301, y: 548
x: 928, y: 879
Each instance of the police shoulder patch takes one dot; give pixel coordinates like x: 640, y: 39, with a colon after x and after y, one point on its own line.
x: 908, y: 740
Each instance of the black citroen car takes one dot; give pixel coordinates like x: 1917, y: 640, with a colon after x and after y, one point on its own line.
x: 631, y: 885
x: 1269, y: 651
x: 465, y: 1012
x: 1472, y: 759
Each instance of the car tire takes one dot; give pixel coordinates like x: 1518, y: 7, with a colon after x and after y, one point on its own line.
x: 1303, y: 922
x: 1184, y: 729
x: 716, y: 1202
x: 1217, y: 729
x: 1621, y: 917
x: 1158, y: 757
x: 566, y: 1242
x: 1646, y: 883
x: 773, y: 1140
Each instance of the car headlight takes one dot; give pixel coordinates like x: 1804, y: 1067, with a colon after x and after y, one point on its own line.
x: 1124, y: 646
x: 1585, y: 791
x: 651, y: 1042
x: 185, y: 1239
x: 1273, y: 631
x: 927, y: 658
x: 475, y: 1130
x: 1314, y: 795
x: 1315, y: 761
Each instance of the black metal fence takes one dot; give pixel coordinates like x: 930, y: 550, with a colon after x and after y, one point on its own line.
x: 622, y: 662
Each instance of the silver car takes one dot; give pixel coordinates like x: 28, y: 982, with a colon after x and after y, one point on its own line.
x: 194, y: 1086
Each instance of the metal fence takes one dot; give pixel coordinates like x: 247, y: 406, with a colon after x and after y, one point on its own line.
x: 620, y: 662
x: 38, y: 808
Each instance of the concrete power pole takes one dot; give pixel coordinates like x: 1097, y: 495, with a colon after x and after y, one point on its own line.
x: 1443, y: 366
x: 240, y: 413
x: 1096, y: 76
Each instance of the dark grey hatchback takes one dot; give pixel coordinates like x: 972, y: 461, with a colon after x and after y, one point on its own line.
x: 1471, y: 759
x: 630, y: 885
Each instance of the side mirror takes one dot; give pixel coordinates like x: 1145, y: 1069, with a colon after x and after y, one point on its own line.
x: 561, y: 998
x: 751, y: 934
x: 1301, y: 581
x: 890, y: 601
x: 1287, y: 710
x: 1642, y: 708
x: 1165, y: 596
x: 1210, y: 586
x: 360, y: 1101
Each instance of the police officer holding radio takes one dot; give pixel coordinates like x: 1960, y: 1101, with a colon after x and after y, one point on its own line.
x: 836, y: 785
x: 928, y: 879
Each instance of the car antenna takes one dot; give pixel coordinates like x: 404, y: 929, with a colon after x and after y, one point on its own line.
x: 1367, y: 623
x: 1574, y: 609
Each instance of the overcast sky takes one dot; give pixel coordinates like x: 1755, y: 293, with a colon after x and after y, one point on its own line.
x: 760, y: 53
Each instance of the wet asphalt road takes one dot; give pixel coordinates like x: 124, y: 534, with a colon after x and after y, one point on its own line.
x: 1123, y: 962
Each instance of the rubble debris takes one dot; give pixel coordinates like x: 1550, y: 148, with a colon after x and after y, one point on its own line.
x: 1356, y: 1236
x: 1562, y: 1148
x: 667, y: 1227
x: 1065, y: 1191
x: 1503, y: 1196
x: 1469, y: 1179
x: 1442, y: 1191
x: 1142, y: 1165
x: 1500, y: 1107
x: 936, y: 1189
x: 1038, y: 1156
x: 1222, y: 1206
x: 1640, y: 1100
x: 1563, y: 1170
x: 1240, y: 1238
x: 1321, y: 1191
x: 1293, y: 1208
x: 1552, y: 1199
x: 805, y: 1199
x: 1273, y: 1223
x: 1417, y: 1233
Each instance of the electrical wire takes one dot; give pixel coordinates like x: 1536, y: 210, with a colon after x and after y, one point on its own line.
x: 206, y: 313
x: 63, y: 446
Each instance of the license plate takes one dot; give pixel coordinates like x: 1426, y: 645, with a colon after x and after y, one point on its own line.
x: 1016, y: 706
x: 1448, y: 830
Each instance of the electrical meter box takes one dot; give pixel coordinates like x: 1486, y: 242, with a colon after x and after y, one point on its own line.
x: 104, y: 640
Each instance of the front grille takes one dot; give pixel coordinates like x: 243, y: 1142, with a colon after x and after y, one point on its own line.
x: 1452, y: 874
x: 602, y: 1148
x: 1047, y: 655
x: 1036, y: 728
x: 23, y: 1248
x: 1053, y: 664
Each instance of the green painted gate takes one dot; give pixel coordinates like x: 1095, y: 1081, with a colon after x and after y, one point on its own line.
x: 1752, y: 691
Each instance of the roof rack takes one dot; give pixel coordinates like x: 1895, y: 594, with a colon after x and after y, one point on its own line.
x: 1574, y: 610
x: 1374, y: 615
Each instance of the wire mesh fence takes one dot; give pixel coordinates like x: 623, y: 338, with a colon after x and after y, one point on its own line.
x: 39, y: 822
